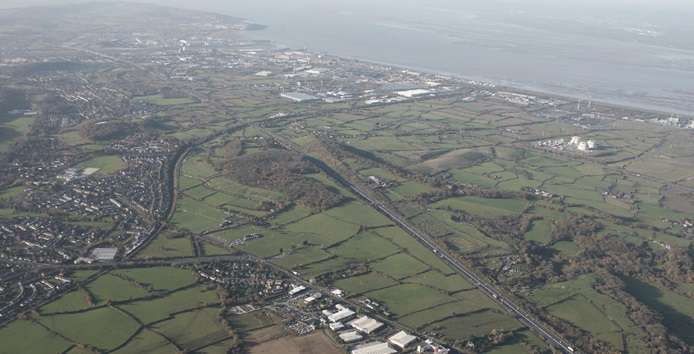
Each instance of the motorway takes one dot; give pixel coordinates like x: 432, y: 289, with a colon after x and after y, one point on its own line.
x: 533, y: 324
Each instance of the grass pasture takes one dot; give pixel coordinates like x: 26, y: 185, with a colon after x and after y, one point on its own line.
x: 147, y: 311
x: 435, y: 279
x: 160, y: 278
x: 194, y: 329
x: 482, y: 206
x: 408, y: 298
x: 322, y: 267
x: 412, y: 246
x: 567, y: 247
x: 400, y: 266
x: 109, y: 164
x: 12, y: 192
x: 252, y: 321
x: 111, y: 288
x: 359, y: 214
x: 147, y: 341
x: 162, y: 247
x: 603, y: 317
x: 474, y: 324
x: 24, y: 336
x: 540, y: 232
x: 365, y: 246
x: 72, y: 301
x: 436, y: 314
x: 326, y: 227
x: 196, y: 216
x: 13, y: 129
x: 104, y: 328
x: 301, y: 257
x: 364, y: 283
x: 677, y: 310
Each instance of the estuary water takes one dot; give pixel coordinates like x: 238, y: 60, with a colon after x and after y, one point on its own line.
x: 631, y: 53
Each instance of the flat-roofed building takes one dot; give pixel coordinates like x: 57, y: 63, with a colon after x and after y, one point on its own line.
x: 374, y: 348
x: 298, y: 96
x: 402, y: 339
x: 105, y: 254
x: 342, y: 314
x: 351, y: 337
x: 366, y: 324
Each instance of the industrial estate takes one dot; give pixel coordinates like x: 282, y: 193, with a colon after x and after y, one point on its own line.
x: 169, y: 186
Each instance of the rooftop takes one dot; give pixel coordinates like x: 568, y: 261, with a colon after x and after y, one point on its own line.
x: 298, y: 96
x: 375, y: 348
x: 366, y: 324
x: 402, y: 339
x: 104, y: 253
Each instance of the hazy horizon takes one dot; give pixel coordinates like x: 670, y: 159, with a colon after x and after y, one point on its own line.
x: 630, y: 52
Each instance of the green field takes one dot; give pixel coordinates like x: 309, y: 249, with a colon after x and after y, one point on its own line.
x: 162, y: 247
x: 413, y: 247
x: 400, y: 266
x: 438, y: 313
x: 408, y: 298
x: 103, y: 328
x: 567, y: 247
x: 194, y: 329
x: 147, y: 311
x: 364, y: 283
x: 301, y: 257
x: 482, y: 206
x: 110, y: 288
x: 105, y: 164
x: 72, y: 301
x: 577, y: 302
x: 24, y: 336
x: 677, y: 310
x: 359, y: 214
x: 12, y: 192
x: 474, y: 324
x: 196, y: 216
x: 540, y: 231
x: 250, y: 321
x: 325, y: 227
x: 433, y: 278
x: 147, y: 341
x: 13, y: 129
x: 160, y: 278
x: 365, y: 246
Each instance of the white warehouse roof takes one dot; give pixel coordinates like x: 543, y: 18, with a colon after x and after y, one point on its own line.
x: 413, y: 93
x: 104, y: 253
x: 298, y: 96
x: 340, y: 315
x: 366, y: 324
x: 375, y: 348
x: 351, y: 337
x: 402, y: 339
